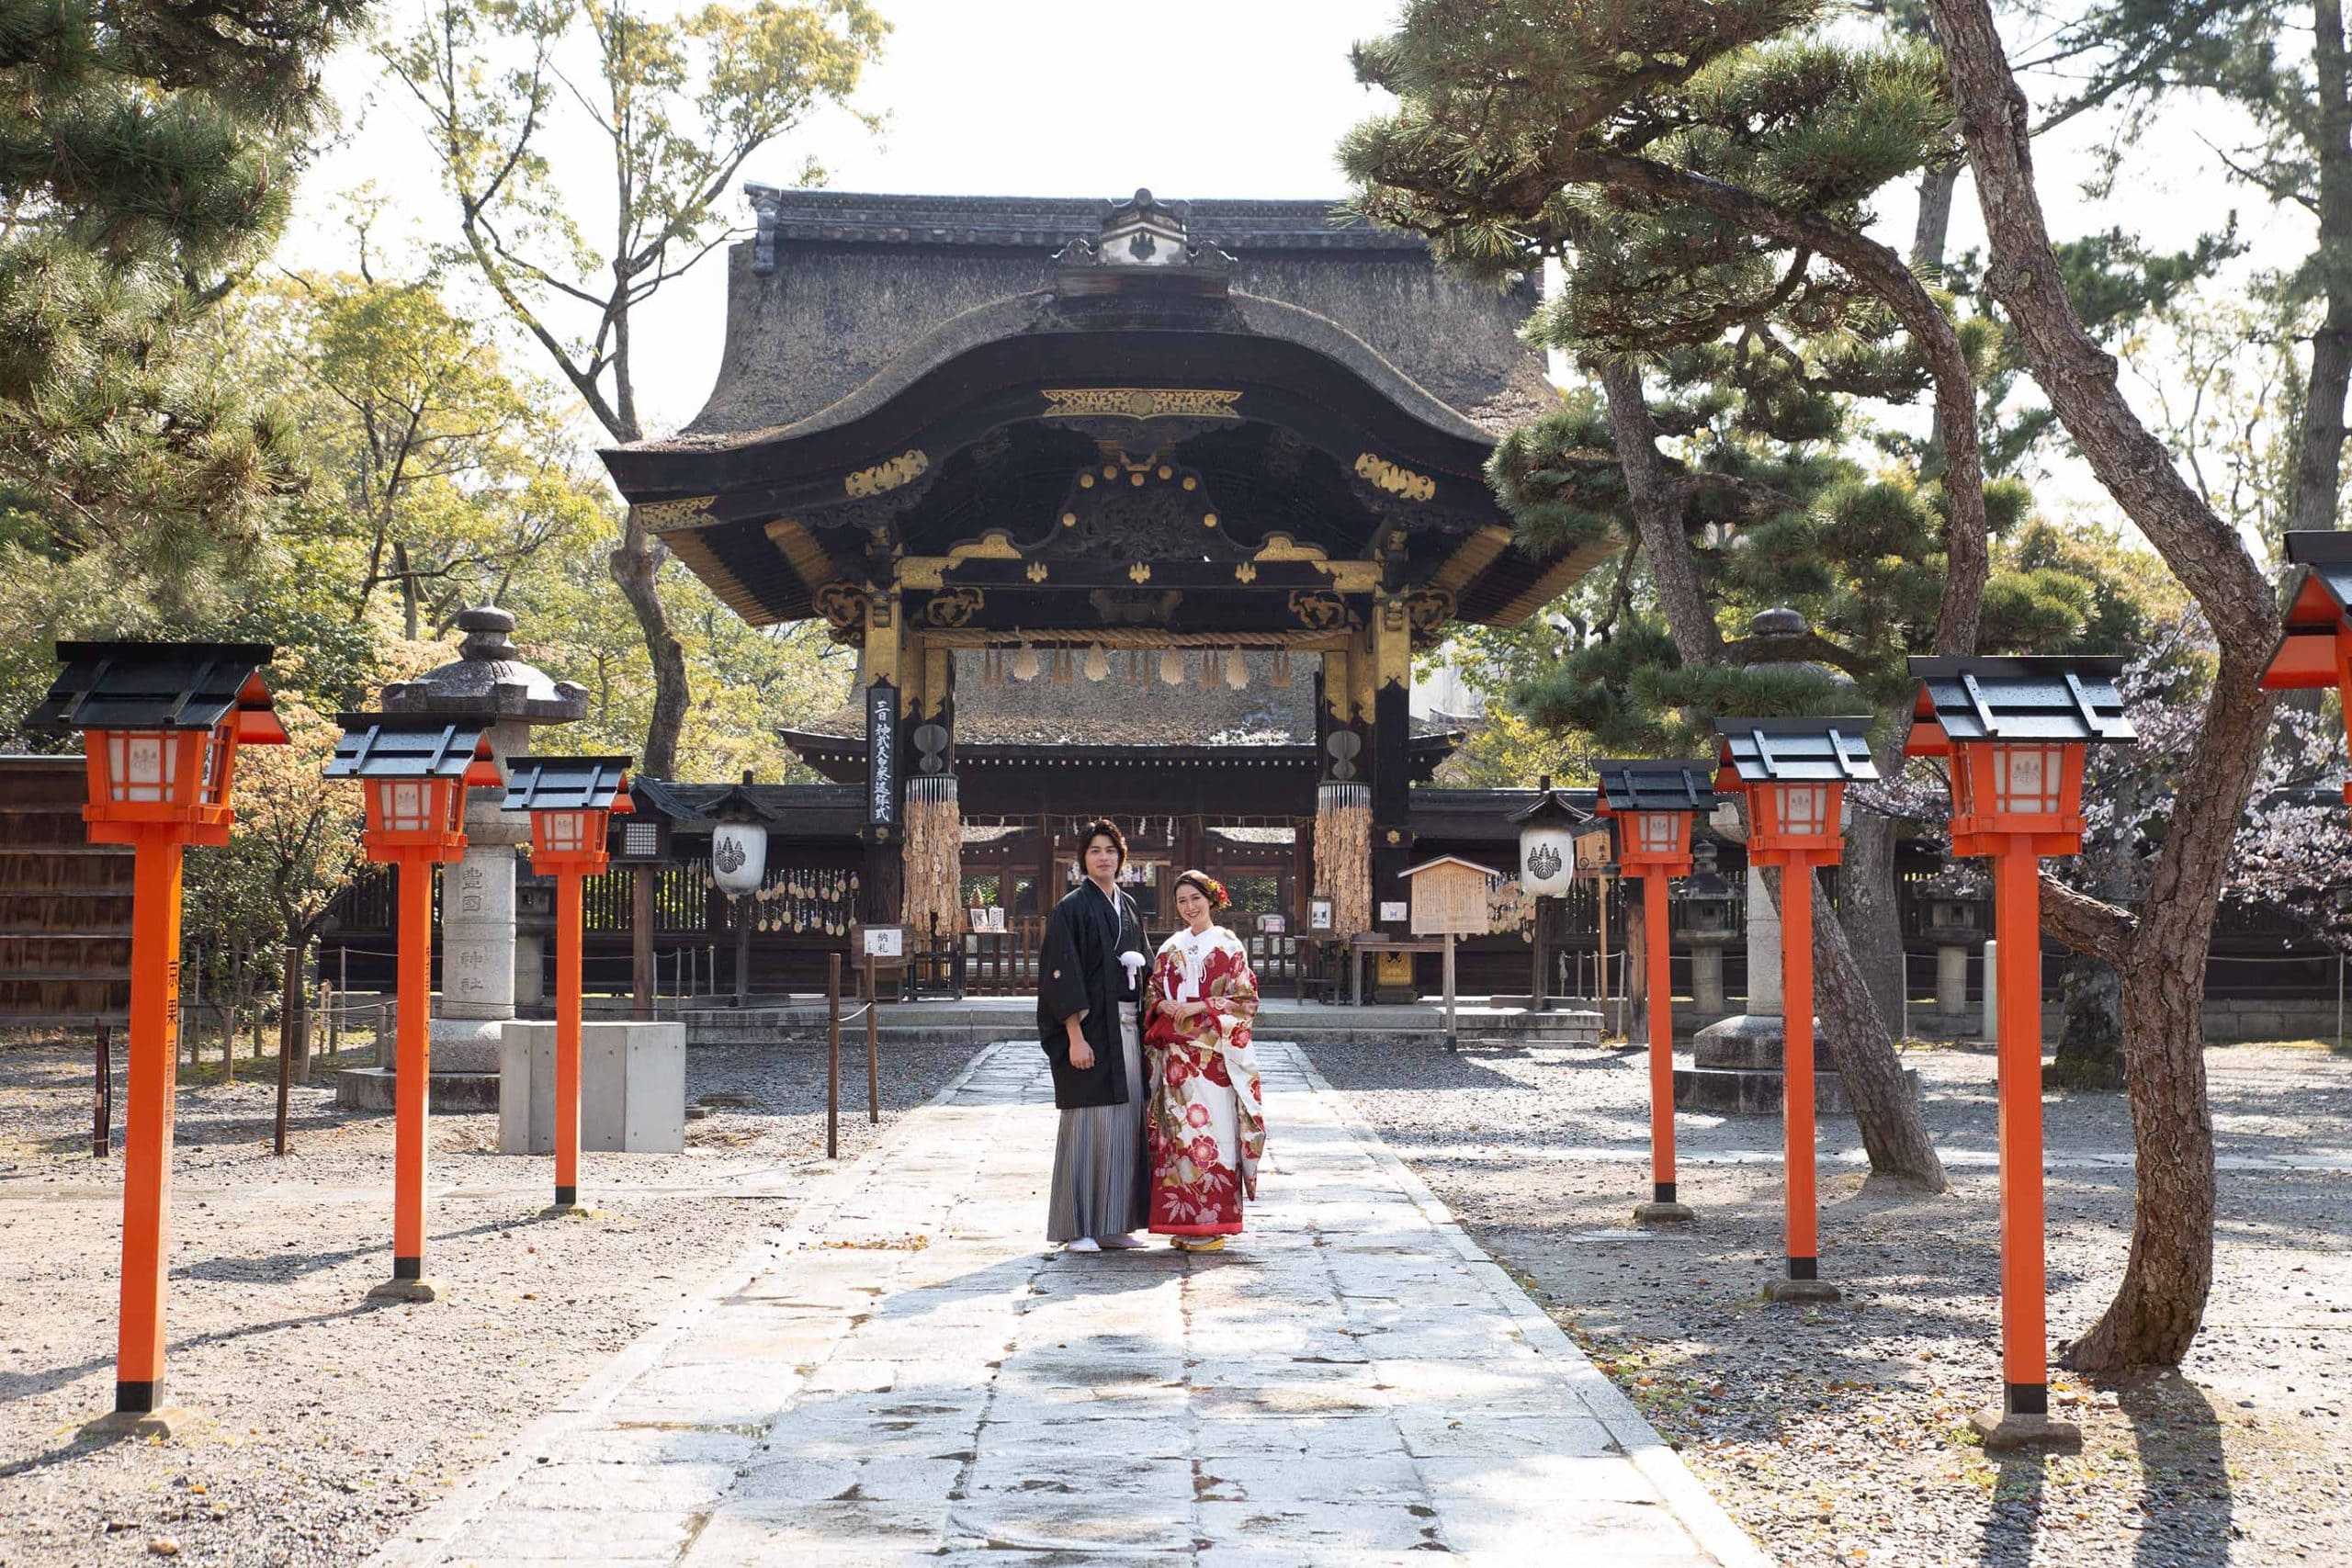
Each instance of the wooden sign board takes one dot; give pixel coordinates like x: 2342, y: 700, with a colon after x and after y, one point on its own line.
x: 1450, y: 896
x: 1594, y: 851
x: 885, y: 942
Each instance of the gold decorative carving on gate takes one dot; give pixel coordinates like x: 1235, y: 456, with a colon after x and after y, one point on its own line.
x: 685, y: 512
x: 844, y: 607
x: 1428, y: 610
x: 904, y: 468
x: 1318, y: 609
x: 1140, y: 402
x: 955, y: 608
x: 994, y: 545
x: 1396, y: 481
x: 1282, y: 547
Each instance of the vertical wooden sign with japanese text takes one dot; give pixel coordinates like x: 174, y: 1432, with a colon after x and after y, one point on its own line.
x: 882, y: 753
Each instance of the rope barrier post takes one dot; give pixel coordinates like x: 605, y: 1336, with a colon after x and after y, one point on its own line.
x: 101, y: 1130
x: 287, y: 1029
x: 832, y: 1056
x: 873, y: 1028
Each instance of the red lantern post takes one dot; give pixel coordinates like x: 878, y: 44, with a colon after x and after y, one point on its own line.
x: 1795, y: 771
x: 571, y: 801
x: 1653, y: 804
x: 2315, y: 650
x: 415, y: 771
x: 161, y: 724
x: 2012, y: 732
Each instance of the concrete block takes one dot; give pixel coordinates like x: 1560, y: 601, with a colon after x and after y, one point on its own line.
x: 603, y: 1086
x: 526, y: 1088
x: 655, y: 1092
x: 632, y: 1087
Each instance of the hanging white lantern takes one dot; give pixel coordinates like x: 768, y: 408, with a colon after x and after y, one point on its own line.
x: 738, y: 855
x: 1548, y: 847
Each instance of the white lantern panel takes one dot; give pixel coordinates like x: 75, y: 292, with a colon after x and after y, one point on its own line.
x: 1547, y: 861
x: 2027, y: 778
x: 1804, y: 808
x: 1657, y: 831
x: 141, y: 767
x: 738, y: 855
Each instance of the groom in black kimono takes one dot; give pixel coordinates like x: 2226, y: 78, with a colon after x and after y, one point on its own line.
x: 1089, y: 985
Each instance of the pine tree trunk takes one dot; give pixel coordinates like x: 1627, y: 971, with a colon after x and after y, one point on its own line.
x: 1894, y: 1132
x: 2320, y: 451
x: 2156, y: 1310
x: 2156, y: 1313
x: 1934, y: 224
x: 1867, y: 910
x: 1886, y: 1112
x: 636, y: 565
x: 2090, y: 1039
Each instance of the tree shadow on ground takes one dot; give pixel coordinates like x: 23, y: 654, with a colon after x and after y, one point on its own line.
x: 23, y: 1385
x: 2190, y: 1508
x: 277, y: 1268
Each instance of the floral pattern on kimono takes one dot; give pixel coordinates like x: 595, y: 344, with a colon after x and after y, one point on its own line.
x: 1207, y: 1125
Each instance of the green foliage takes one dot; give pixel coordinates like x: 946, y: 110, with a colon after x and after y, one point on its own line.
x: 1558, y: 477
x: 145, y: 151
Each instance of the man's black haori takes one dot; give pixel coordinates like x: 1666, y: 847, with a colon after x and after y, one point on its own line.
x: 1078, y: 971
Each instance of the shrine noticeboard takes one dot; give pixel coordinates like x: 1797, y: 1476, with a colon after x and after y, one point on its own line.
x: 1450, y: 896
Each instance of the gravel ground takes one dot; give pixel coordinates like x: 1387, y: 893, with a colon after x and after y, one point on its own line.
x: 1836, y: 1434
x: 334, y: 1417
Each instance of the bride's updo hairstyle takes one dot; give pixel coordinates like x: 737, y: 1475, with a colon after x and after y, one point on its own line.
x: 1208, y: 887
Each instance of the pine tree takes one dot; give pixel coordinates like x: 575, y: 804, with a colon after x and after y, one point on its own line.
x: 1707, y: 181
x: 146, y: 156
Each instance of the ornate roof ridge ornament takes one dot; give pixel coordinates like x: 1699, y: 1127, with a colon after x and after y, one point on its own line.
x: 1143, y: 232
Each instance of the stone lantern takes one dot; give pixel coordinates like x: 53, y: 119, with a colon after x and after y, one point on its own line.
x: 1709, y: 923
x: 487, y: 684
x: 1956, y: 924
x: 1736, y: 1060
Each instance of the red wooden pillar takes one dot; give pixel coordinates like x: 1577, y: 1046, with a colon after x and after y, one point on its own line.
x: 568, y: 1004
x: 147, y: 1132
x: 412, y: 1090
x: 2017, y: 917
x: 1660, y: 985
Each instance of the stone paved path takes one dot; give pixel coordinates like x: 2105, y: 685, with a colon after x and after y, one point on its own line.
x: 1352, y: 1382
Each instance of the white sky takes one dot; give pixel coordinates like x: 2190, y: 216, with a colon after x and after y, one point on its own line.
x: 1093, y: 97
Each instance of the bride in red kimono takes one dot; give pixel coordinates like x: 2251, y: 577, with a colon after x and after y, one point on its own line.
x: 1207, y: 1123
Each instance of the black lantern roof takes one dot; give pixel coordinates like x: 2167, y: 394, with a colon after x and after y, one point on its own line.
x: 563, y: 784
x: 1798, y: 750
x: 403, y: 746
x: 160, y: 686
x: 1648, y: 784
x: 1551, y: 809
x: 2036, y: 697
x: 740, y: 804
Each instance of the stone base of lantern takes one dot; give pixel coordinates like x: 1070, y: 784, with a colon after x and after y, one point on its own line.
x: 448, y: 1094
x: 1736, y: 1066
x: 466, y: 1044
